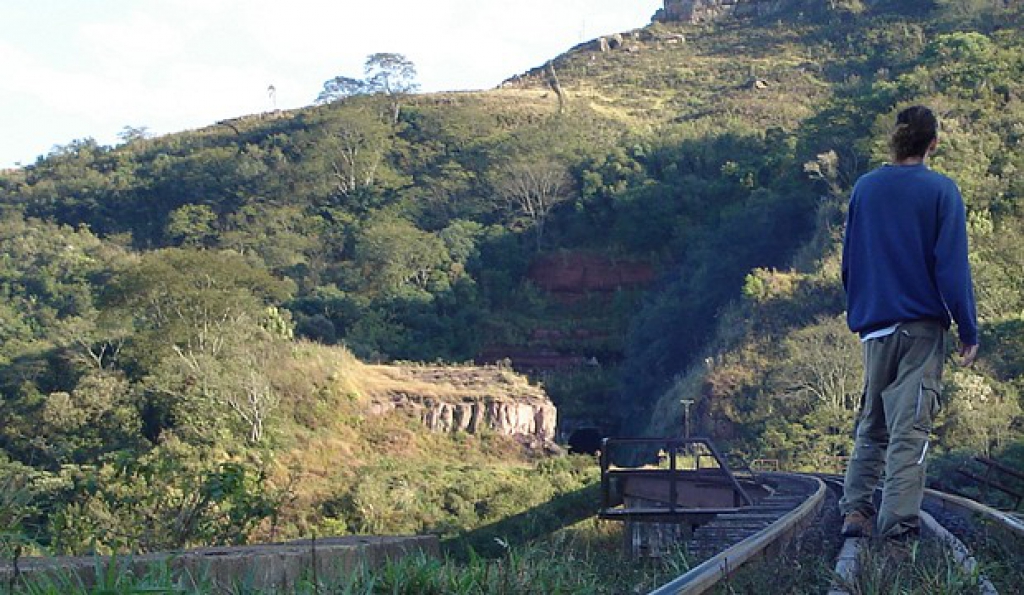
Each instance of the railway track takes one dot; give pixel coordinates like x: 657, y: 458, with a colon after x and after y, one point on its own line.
x: 941, y: 515
x: 754, y: 531
x: 795, y: 505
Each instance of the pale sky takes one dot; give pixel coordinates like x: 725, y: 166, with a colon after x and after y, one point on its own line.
x: 72, y: 69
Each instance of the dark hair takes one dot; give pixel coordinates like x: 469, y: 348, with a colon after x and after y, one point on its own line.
x: 916, y: 128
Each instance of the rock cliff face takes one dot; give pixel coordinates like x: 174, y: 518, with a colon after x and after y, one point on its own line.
x: 572, y: 278
x: 466, y: 398
x: 575, y: 274
x: 530, y: 418
x: 699, y: 11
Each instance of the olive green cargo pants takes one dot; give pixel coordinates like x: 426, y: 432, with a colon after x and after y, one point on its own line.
x: 902, y: 384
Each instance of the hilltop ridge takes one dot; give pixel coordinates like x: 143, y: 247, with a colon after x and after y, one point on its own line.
x: 701, y: 11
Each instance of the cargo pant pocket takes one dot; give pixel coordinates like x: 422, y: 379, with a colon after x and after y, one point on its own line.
x: 928, y: 404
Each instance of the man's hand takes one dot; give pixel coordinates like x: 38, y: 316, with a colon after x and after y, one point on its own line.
x: 968, y: 353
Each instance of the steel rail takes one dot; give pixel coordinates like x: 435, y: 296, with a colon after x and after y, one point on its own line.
x: 707, y: 574
x: 960, y: 552
x: 960, y: 505
x: 846, y: 563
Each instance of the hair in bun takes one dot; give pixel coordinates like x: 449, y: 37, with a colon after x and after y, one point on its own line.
x: 916, y: 128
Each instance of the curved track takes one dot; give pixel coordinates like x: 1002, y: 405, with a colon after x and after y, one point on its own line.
x: 734, y: 539
x: 752, y: 532
x: 959, y: 506
x: 954, y: 510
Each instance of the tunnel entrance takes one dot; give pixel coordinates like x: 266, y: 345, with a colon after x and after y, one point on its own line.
x: 585, y: 441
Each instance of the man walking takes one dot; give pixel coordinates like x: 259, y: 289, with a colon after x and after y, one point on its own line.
x: 906, y: 276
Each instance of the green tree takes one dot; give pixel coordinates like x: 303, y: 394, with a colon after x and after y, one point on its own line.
x: 199, y: 321
x: 130, y: 134
x: 287, y: 238
x: 97, y: 417
x: 181, y: 299
x: 531, y: 188
x: 396, y: 258
x: 193, y: 226
x: 172, y: 497
x: 341, y: 87
x: 822, y: 367
x: 978, y: 414
x: 816, y: 384
x: 354, y: 147
x: 390, y: 74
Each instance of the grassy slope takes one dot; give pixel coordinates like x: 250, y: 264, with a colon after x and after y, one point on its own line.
x: 702, y: 82
x: 350, y: 470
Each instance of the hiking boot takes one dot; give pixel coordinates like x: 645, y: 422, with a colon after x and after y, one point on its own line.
x: 857, y: 524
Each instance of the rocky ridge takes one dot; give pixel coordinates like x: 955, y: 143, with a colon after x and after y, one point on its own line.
x: 700, y: 11
x: 466, y: 398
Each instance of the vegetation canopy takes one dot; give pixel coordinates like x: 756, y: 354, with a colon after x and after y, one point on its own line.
x: 184, y: 319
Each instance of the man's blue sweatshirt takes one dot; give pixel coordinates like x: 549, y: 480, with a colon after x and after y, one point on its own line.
x: 905, y: 252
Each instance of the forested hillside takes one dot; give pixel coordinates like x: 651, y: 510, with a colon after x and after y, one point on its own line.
x: 781, y: 377
x: 183, y: 317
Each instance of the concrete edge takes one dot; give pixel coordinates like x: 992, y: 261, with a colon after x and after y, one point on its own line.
x: 266, y: 566
x: 847, y: 564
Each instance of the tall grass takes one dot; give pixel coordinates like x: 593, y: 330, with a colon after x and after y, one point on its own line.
x: 924, y: 567
x: 583, y: 560
x: 116, y: 576
x: 1001, y: 556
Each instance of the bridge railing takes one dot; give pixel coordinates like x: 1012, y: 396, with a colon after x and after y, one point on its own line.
x: 681, y: 475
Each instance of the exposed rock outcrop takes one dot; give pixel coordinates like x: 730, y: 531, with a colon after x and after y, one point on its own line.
x: 573, y: 278
x: 579, y: 273
x: 467, y: 399
x: 534, y: 418
x: 699, y: 11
